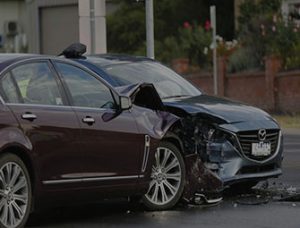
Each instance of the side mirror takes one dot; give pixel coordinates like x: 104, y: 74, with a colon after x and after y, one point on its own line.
x: 125, y: 103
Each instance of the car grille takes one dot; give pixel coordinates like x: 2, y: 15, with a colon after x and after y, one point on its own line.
x: 246, y: 138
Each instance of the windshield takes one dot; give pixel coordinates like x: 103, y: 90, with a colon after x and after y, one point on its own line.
x: 167, y: 83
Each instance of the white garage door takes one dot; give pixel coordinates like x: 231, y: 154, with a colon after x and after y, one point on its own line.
x: 59, y: 28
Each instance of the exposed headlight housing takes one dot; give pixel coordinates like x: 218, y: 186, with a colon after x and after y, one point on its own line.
x: 212, y: 134
x: 213, y: 137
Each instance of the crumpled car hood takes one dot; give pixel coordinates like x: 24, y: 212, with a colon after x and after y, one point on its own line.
x: 225, y: 110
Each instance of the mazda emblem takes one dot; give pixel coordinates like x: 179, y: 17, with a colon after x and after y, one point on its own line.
x: 262, y: 133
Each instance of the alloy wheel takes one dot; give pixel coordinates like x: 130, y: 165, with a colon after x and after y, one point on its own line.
x: 166, y: 177
x: 14, y: 194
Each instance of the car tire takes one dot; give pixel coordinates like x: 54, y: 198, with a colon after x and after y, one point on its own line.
x: 15, y: 192
x: 167, y: 178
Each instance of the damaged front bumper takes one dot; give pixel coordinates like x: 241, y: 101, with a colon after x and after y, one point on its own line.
x: 230, y: 161
x: 226, y: 148
x: 201, y: 183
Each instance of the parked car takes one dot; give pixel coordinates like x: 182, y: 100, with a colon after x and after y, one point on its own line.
x: 241, y: 143
x: 68, y: 134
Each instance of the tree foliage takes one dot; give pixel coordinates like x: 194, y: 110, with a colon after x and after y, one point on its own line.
x: 266, y: 32
x: 126, y: 27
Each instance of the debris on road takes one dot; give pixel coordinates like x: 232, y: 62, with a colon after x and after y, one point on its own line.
x: 252, y: 199
x: 264, y: 192
x: 279, y: 191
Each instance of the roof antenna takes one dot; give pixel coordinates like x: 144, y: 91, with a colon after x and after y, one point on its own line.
x: 75, y: 50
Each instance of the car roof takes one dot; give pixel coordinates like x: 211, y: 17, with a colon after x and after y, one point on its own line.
x: 103, y: 60
x: 76, y: 52
x: 9, y: 58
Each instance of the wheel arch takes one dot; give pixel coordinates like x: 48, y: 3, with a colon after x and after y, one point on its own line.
x: 22, y: 153
x: 173, y: 136
x: 174, y: 139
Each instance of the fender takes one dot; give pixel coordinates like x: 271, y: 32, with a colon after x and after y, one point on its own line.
x: 13, y: 136
x: 174, y: 138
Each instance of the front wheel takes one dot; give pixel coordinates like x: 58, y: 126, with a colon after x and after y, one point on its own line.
x: 167, y: 178
x: 15, y: 192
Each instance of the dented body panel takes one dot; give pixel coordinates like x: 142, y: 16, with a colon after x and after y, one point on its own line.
x: 148, y: 110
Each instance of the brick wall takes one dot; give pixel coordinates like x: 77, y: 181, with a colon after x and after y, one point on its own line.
x: 270, y: 90
x: 288, y: 92
x: 249, y: 88
x: 202, y: 81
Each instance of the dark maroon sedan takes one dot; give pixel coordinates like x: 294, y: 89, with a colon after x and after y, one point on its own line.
x: 68, y: 136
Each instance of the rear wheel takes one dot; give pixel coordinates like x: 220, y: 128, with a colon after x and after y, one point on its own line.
x: 168, y: 178
x: 15, y: 192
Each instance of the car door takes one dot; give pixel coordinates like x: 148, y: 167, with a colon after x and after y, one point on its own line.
x: 115, y: 146
x: 33, y: 93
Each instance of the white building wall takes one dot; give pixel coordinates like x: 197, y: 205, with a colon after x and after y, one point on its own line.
x: 92, y: 25
x: 286, y: 4
x: 11, y: 11
x: 33, y: 20
x: 27, y: 13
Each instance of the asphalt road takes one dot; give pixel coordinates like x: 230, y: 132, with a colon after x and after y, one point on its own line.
x: 230, y: 213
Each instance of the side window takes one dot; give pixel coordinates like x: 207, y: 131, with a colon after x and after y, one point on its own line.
x: 9, y: 90
x: 86, y: 90
x: 33, y: 83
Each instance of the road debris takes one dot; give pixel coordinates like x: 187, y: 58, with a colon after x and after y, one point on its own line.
x: 265, y: 192
x: 252, y: 199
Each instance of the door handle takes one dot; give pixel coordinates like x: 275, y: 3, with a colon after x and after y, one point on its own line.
x: 88, y: 120
x: 29, y: 116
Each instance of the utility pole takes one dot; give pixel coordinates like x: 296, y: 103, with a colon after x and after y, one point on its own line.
x: 150, y: 28
x: 214, y: 47
x: 92, y: 25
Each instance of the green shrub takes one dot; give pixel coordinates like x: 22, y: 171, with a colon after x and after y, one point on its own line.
x: 266, y: 32
x: 196, y: 41
x: 243, y: 59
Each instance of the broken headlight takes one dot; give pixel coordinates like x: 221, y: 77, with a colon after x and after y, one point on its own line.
x: 212, y: 143
x: 211, y: 133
